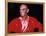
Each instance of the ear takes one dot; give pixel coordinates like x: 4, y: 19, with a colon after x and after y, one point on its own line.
x: 27, y: 10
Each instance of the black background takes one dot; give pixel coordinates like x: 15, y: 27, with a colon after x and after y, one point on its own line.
x: 35, y: 10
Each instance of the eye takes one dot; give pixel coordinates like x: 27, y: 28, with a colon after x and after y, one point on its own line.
x: 22, y: 9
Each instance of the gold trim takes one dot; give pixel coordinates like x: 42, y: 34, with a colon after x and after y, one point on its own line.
x: 6, y: 19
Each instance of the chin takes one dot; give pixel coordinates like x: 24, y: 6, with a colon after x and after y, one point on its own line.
x: 22, y: 16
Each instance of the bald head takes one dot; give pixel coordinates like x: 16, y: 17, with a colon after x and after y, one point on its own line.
x: 23, y: 5
x: 23, y: 10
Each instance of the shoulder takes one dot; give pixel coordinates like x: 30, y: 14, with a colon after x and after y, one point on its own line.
x: 34, y: 21
x: 15, y: 20
x: 32, y: 18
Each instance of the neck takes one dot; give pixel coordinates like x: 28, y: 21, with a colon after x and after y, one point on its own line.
x: 24, y: 17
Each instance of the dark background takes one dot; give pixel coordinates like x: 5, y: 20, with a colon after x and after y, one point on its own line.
x: 36, y: 11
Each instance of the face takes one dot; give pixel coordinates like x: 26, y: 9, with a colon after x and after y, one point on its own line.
x: 23, y: 10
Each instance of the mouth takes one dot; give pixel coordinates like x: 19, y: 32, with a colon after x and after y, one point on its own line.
x: 22, y: 14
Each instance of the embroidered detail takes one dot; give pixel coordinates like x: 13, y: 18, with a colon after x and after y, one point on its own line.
x: 24, y: 23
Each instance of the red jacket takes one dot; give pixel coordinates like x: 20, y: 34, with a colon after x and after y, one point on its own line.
x: 33, y: 25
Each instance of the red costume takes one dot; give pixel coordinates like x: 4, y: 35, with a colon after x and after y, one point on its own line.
x: 33, y: 25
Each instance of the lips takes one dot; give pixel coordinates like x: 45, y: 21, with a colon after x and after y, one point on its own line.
x: 22, y: 14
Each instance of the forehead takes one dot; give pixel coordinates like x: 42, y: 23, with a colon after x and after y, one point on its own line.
x: 23, y: 6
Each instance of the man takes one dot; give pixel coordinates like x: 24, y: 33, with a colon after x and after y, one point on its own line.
x: 25, y: 23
